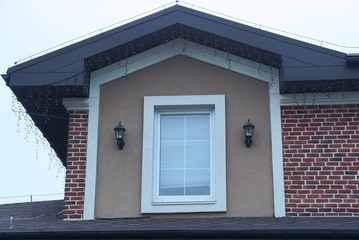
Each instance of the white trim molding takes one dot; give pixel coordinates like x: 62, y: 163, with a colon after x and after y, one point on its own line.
x: 277, y: 155
x: 216, y: 202
x: 76, y: 103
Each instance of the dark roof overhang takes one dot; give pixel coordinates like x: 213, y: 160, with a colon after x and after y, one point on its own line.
x: 342, y: 75
x: 41, y: 83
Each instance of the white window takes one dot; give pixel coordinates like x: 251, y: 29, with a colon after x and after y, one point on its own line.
x: 183, y: 163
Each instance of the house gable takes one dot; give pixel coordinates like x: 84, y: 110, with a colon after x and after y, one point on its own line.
x: 78, y: 73
x: 66, y: 72
x: 179, y: 47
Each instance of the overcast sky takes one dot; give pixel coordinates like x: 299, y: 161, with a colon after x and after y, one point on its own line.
x: 32, y: 26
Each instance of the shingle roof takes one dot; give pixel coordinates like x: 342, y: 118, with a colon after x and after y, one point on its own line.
x: 44, y: 219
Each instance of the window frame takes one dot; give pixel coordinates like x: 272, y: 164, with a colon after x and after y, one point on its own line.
x: 157, y: 199
x: 151, y: 202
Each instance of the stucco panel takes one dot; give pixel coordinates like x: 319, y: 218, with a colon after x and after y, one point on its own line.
x: 249, y: 171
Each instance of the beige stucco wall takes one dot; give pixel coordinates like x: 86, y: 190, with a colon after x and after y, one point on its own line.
x: 249, y: 172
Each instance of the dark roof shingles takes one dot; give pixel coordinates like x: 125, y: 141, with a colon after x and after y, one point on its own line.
x: 47, y: 217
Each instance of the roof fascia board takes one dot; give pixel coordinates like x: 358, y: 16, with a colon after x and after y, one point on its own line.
x: 308, y: 73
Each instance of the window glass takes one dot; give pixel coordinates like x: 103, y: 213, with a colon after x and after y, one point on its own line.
x: 184, y: 154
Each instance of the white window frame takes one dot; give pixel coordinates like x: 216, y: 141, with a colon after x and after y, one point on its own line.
x: 216, y: 201
x: 157, y: 199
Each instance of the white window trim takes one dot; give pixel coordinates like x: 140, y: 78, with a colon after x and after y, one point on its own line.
x: 160, y: 200
x: 148, y: 202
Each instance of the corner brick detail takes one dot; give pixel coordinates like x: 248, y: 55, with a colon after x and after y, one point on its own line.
x: 321, y: 160
x: 76, y: 165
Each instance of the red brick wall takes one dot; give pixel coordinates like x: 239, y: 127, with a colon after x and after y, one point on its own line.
x: 321, y: 160
x: 76, y: 165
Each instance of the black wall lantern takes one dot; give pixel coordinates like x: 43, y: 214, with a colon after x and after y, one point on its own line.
x: 119, y: 132
x: 248, y: 132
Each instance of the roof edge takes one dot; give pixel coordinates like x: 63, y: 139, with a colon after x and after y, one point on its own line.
x: 287, y: 233
x: 174, y: 8
x: 352, y: 60
x: 94, y: 38
x: 6, y: 77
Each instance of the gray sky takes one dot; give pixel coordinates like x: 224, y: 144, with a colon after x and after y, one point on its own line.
x: 32, y: 26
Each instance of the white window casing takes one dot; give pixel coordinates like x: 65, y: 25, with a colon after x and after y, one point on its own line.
x: 156, y: 106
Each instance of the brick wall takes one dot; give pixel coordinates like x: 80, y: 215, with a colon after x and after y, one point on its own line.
x: 321, y: 160
x: 76, y: 165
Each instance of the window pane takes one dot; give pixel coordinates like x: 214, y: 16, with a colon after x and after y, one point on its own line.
x: 172, y: 127
x: 171, y: 183
x: 172, y: 155
x: 197, y: 127
x: 197, y: 154
x: 197, y: 182
x: 184, y: 154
